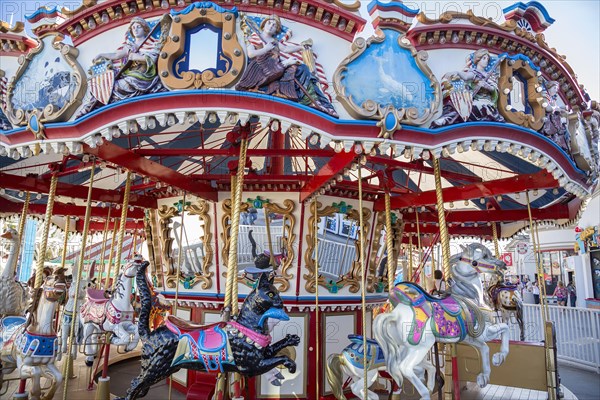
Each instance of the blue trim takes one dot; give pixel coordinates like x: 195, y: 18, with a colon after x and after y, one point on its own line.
x: 205, y: 4
x: 43, y: 10
x: 383, y: 6
x: 519, y: 57
x: 533, y: 4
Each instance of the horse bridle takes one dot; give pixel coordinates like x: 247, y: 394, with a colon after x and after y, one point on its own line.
x: 480, y: 266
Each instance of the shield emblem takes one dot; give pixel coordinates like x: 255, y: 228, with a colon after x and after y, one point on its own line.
x: 462, y: 99
x: 102, y: 79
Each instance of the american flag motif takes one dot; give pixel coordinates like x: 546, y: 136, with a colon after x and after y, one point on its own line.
x: 102, y: 81
x: 255, y: 40
x: 462, y: 99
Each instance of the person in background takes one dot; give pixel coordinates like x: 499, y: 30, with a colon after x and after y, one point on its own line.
x: 561, y: 294
x: 572, y: 293
x: 535, y: 290
x: 439, y: 282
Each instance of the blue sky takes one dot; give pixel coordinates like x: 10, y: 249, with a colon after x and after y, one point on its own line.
x: 575, y: 33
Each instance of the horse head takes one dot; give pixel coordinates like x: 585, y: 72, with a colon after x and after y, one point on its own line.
x: 55, y: 287
x: 262, y: 304
x: 476, y: 259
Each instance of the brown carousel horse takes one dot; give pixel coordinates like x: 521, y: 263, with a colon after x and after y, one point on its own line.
x: 506, y: 300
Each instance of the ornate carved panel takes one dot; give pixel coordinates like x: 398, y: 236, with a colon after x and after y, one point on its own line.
x: 353, y: 276
x: 199, y: 24
x: 166, y: 215
x: 520, y: 100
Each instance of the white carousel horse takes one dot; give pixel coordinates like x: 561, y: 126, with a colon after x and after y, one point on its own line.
x: 99, y: 314
x: 13, y: 295
x: 67, y: 316
x: 33, y: 346
x: 351, y: 362
x: 418, y: 320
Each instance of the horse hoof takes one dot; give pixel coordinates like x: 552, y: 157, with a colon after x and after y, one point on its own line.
x: 497, y: 359
x: 483, y: 380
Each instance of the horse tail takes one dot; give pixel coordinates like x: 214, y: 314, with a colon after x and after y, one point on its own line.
x: 334, y: 375
x: 383, y: 328
x: 253, y: 242
x: 519, y: 314
x: 145, y: 300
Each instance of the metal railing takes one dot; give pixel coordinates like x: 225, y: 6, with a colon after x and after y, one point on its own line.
x: 335, y: 259
x: 577, y: 333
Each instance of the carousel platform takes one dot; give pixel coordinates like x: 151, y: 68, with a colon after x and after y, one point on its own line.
x: 577, y: 384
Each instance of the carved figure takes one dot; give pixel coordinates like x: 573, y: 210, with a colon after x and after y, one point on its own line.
x: 33, y: 345
x: 13, y: 295
x: 471, y: 95
x: 506, y: 300
x: 351, y: 362
x: 135, y: 65
x: 242, y: 345
x: 99, y: 314
x: 459, y: 317
x: 555, y: 122
x: 268, y: 73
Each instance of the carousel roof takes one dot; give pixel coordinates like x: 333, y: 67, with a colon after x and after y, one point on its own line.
x: 189, y: 140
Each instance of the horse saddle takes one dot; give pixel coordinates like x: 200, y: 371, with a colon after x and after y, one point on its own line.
x: 204, y: 344
x: 8, y: 326
x: 96, y: 296
x: 414, y: 295
x: 354, y: 352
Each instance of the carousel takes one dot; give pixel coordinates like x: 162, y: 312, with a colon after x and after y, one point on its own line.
x: 261, y: 194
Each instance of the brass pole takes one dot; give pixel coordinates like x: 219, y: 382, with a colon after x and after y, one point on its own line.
x: 269, y: 240
x: 391, y: 268
x: 21, y: 231
x: 317, y: 316
x: 47, y: 221
x: 104, y: 237
x: 178, y: 271
x: 495, y: 234
x: 363, y: 291
x: 110, y: 256
x: 64, y: 249
x: 123, y: 221
x: 86, y: 226
x: 421, y: 263
x: 410, y: 257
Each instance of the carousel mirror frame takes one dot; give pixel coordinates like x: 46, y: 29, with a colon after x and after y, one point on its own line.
x: 353, y: 277
x: 282, y: 279
x: 380, y: 225
x: 166, y: 215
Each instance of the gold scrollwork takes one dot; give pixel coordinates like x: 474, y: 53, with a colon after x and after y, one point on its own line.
x: 371, y: 109
x: 449, y: 16
x: 508, y: 69
x: 165, y: 215
x: 353, y: 277
x: 374, y: 277
x: 283, y: 278
x: 175, y: 46
x: 49, y: 113
x: 201, y: 209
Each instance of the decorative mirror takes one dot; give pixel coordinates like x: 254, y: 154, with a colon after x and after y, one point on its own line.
x: 194, y: 240
x: 338, y: 235
x: 378, y: 274
x: 266, y: 232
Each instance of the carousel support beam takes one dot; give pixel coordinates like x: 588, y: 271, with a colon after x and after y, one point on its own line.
x: 419, y: 166
x: 335, y: 166
x: 141, y: 165
x: 65, y: 209
x: 557, y: 211
x: 539, y: 180
x: 42, y: 185
x: 232, y: 152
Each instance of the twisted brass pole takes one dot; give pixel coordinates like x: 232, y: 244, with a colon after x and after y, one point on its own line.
x: 74, y: 319
x: 110, y: 256
x: 363, y: 286
x: 123, y: 221
x: 419, y: 249
x: 46, y: 232
x: 444, y: 239
x: 317, y: 316
x: 21, y: 231
x: 66, y: 241
x: 410, y: 257
x: 391, y: 268
x: 495, y: 234
x: 104, y: 237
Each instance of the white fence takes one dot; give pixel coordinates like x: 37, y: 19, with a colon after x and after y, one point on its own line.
x: 335, y: 259
x: 259, y: 234
x: 577, y: 333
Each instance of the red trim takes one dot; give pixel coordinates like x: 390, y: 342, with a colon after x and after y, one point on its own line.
x: 336, y: 165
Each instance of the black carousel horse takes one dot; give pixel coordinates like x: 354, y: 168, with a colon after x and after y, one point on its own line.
x: 242, y: 345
